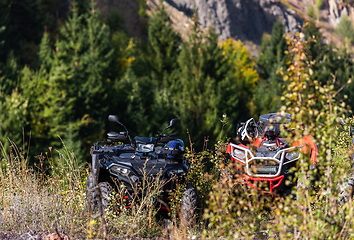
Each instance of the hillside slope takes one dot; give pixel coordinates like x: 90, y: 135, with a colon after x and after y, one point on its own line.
x: 246, y: 20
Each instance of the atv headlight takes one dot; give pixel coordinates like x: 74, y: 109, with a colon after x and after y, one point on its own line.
x: 175, y: 172
x: 239, y: 154
x: 119, y: 170
x: 292, y: 155
x: 144, y: 148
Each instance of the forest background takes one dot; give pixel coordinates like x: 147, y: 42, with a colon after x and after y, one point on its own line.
x: 61, y: 76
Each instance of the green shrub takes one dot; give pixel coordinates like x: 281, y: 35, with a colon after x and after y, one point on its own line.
x: 311, y: 11
x: 319, y: 4
x: 345, y: 29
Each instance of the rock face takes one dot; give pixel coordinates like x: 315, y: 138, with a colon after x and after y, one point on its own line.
x: 246, y: 20
x: 337, y: 9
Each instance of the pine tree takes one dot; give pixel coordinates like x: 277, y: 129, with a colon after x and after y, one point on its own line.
x: 74, y: 84
x: 10, y: 75
x: 161, y: 60
x: 272, y: 54
x: 345, y: 29
x: 150, y: 67
x: 13, y: 118
x: 271, y: 58
x: 329, y: 62
x: 2, y: 41
x: 163, y: 46
x: 137, y: 98
x: 201, y: 86
x: 23, y: 27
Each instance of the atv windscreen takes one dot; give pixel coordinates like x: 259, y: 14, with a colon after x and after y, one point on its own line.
x: 271, y: 123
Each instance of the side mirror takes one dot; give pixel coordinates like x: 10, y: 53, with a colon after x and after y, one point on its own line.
x: 173, y: 122
x: 113, y: 118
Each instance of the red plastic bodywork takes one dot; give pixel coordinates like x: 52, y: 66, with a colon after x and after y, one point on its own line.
x: 309, y: 147
x: 272, y: 184
x: 165, y: 209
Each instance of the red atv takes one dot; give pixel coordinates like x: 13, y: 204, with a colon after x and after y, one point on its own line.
x: 264, y: 157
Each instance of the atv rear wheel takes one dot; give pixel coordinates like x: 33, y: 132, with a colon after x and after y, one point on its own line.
x: 189, y: 206
x: 93, y: 195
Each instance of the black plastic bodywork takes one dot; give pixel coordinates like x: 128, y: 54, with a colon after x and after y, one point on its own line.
x: 122, y: 164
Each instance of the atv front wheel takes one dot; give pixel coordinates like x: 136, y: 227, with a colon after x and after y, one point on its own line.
x: 189, y: 206
x: 93, y: 195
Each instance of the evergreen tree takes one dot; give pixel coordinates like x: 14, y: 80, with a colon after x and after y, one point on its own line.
x: 149, y: 66
x: 271, y: 58
x: 23, y: 28
x: 2, y: 41
x: 272, y: 54
x: 74, y: 85
x: 136, y: 104
x: 202, y: 87
x: 10, y: 76
x: 161, y: 60
x: 163, y: 47
x: 13, y: 118
x: 329, y: 62
x: 345, y: 29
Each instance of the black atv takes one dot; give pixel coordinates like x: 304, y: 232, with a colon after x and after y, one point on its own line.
x: 118, y: 166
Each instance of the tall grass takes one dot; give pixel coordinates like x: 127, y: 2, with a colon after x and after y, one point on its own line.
x: 33, y: 200
x: 51, y: 198
x: 140, y: 218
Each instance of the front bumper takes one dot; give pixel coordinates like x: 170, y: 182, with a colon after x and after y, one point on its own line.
x: 269, y: 184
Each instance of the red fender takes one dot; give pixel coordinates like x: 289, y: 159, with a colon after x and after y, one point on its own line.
x: 309, y: 147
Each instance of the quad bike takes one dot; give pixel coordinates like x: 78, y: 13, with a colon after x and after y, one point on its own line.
x: 264, y: 159
x: 130, y: 164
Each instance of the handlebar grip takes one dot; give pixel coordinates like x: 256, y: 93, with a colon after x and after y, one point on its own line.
x: 166, y: 139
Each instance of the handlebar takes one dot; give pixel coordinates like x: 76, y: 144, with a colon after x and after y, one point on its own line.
x: 166, y: 139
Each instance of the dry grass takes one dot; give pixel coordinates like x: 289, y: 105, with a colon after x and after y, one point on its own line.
x: 33, y: 200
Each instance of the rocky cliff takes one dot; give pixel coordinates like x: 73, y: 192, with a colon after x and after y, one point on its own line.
x: 246, y: 20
